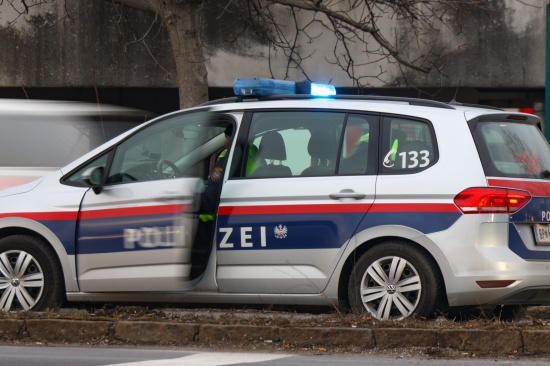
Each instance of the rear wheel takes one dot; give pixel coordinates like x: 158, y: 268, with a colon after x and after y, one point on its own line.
x: 392, y: 281
x: 30, y: 275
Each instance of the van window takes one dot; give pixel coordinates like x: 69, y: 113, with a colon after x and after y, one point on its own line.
x: 52, y: 141
x: 511, y: 149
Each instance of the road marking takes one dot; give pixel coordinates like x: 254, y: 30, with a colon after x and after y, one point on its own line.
x: 209, y: 359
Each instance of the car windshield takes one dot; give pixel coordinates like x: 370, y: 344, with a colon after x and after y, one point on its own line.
x: 513, y: 149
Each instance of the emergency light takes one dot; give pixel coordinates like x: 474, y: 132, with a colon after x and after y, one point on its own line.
x: 263, y: 86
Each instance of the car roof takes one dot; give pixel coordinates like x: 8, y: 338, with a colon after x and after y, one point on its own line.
x: 384, y: 104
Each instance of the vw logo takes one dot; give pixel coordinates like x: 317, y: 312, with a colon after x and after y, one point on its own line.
x: 15, y: 281
x: 390, y: 289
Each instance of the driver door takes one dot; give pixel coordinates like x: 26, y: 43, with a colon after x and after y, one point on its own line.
x: 136, y: 232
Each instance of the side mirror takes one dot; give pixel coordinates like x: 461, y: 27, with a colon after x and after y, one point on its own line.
x: 93, y: 178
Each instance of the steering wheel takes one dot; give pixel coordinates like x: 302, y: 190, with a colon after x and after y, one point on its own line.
x: 171, y: 165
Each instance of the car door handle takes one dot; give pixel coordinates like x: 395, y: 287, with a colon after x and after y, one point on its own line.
x: 347, y: 193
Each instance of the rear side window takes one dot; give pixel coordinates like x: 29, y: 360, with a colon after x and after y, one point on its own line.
x: 309, y: 143
x: 511, y: 149
x: 408, y: 146
x: 290, y: 144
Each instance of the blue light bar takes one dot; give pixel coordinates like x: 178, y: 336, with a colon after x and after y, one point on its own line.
x: 263, y: 86
x: 322, y: 89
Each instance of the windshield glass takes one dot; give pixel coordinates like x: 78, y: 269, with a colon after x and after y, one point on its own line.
x: 512, y: 149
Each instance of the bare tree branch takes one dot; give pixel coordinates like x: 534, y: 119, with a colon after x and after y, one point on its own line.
x: 357, y: 26
x: 363, y: 36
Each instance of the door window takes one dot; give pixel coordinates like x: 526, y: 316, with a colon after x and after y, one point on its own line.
x: 173, y: 147
x: 408, y: 146
x: 302, y: 144
x: 177, y: 146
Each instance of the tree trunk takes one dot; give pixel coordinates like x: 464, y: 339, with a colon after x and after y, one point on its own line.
x: 181, y: 21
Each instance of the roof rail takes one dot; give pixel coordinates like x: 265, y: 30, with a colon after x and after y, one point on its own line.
x: 477, y: 106
x: 411, y: 101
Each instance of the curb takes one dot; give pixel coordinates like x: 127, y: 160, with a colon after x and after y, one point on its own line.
x: 62, y: 331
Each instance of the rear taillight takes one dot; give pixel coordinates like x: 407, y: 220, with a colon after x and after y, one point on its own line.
x: 491, y: 200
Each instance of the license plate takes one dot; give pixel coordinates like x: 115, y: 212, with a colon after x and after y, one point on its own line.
x: 542, y: 234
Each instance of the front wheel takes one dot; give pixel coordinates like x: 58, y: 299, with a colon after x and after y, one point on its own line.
x: 393, y: 280
x: 30, y: 275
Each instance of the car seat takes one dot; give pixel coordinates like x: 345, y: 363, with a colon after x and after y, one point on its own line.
x: 322, y: 149
x: 273, y: 151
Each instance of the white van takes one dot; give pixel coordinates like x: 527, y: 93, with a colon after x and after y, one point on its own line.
x: 39, y: 136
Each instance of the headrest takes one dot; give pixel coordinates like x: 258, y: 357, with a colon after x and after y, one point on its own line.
x: 272, y: 146
x: 321, y: 146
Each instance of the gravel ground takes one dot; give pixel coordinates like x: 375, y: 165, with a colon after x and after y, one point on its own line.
x: 537, y: 318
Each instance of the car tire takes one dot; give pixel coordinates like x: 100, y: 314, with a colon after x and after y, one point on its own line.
x: 376, y: 283
x: 31, y: 274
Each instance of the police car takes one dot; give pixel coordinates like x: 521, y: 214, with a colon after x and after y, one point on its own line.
x: 394, y: 206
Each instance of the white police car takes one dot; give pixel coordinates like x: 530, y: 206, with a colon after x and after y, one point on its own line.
x: 394, y: 206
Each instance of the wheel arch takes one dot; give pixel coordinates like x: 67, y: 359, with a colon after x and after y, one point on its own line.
x: 418, y: 241
x: 22, y: 226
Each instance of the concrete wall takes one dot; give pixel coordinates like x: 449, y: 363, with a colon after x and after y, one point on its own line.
x: 96, y: 44
x: 93, y: 44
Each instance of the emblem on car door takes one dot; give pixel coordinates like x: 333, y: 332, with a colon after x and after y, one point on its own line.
x: 281, y: 232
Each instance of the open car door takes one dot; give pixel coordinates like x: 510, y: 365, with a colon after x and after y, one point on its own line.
x: 137, y: 224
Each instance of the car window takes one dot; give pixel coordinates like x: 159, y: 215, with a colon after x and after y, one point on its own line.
x: 513, y: 150
x: 75, y: 178
x: 408, y: 146
x: 172, y: 147
x: 54, y: 141
x: 307, y: 143
x: 354, y: 156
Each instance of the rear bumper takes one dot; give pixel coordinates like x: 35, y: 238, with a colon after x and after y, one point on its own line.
x: 484, y: 248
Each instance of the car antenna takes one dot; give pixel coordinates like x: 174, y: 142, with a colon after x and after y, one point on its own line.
x: 454, y: 102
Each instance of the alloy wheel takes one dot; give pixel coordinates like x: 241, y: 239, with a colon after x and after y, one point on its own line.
x: 391, y: 288
x: 21, y: 280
